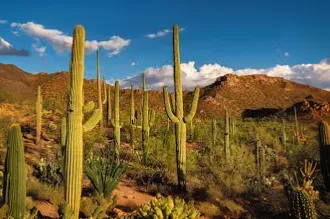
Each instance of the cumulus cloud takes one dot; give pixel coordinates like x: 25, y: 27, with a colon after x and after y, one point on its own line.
x: 6, y: 49
x: 160, y: 33
x: 317, y: 75
x: 62, y: 42
x: 3, y: 21
x: 39, y: 49
x: 15, y: 33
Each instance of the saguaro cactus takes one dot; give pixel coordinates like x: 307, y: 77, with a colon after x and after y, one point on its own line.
x: 147, y: 121
x: 227, y: 143
x: 177, y: 116
x: 115, y: 121
x: 296, y: 129
x: 99, y: 86
x: 63, y: 131
x: 324, y: 141
x: 283, y: 135
x: 75, y: 127
x: 38, y: 115
x: 109, y: 106
x: 14, y: 172
x: 132, y: 118
x: 214, y: 132
x: 257, y: 154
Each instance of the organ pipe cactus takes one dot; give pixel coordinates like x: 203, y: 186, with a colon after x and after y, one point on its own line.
x: 324, y: 141
x: 38, y: 115
x: 75, y: 127
x: 147, y: 121
x: 177, y: 115
x: 115, y: 122
x: 14, y: 172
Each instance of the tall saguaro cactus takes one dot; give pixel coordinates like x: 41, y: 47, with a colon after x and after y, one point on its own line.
x: 75, y: 127
x: 15, y: 177
x: 99, y: 86
x: 214, y: 132
x: 177, y: 116
x: 109, y: 106
x: 296, y: 129
x: 147, y: 120
x: 132, y: 118
x: 38, y: 115
x: 115, y: 122
x: 324, y: 141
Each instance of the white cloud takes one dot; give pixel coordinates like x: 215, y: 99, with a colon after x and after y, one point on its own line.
x: 7, y: 49
x: 62, y: 42
x: 39, y: 49
x: 161, y: 33
x: 3, y: 21
x: 15, y: 33
x: 317, y: 75
x: 133, y: 64
x: 286, y: 54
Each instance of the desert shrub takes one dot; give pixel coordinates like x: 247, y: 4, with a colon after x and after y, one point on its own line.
x: 5, y: 122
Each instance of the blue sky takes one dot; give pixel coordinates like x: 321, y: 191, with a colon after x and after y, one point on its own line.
x: 238, y: 34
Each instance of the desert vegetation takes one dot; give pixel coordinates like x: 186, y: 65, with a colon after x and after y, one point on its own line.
x: 62, y: 158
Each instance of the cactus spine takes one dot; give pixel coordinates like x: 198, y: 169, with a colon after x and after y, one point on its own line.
x: 75, y: 127
x: 15, y: 177
x: 38, y: 115
x: 324, y: 141
x: 147, y: 120
x: 214, y: 132
x: 227, y: 144
x: 63, y: 131
x: 176, y: 115
x: 132, y: 118
x: 99, y: 87
x: 115, y: 122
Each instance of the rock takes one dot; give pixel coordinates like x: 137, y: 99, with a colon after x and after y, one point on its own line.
x: 118, y: 212
x: 46, y: 209
x: 28, y: 136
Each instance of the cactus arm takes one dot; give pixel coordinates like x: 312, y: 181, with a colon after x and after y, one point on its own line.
x: 188, y: 118
x: 92, y: 121
x: 168, y: 107
x: 88, y: 107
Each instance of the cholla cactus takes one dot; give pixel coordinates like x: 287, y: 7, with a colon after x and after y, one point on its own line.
x: 167, y: 208
x: 301, y: 206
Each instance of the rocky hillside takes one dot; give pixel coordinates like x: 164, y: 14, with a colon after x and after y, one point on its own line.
x: 251, y: 95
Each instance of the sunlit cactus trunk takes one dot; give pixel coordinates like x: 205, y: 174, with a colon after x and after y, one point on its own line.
x: 99, y: 86
x: 38, y: 115
x: 296, y: 129
x: 14, y: 174
x: 177, y: 116
x: 115, y: 122
x: 132, y: 118
x: 75, y: 127
x: 109, y: 106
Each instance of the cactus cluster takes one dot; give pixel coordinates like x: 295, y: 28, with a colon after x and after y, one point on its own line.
x: 176, y: 114
x: 166, y: 208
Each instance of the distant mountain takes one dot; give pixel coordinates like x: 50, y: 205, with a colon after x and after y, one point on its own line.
x: 235, y: 93
x: 325, y: 61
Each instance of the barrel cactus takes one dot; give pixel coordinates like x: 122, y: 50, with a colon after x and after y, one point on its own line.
x: 302, y: 207
x: 166, y: 208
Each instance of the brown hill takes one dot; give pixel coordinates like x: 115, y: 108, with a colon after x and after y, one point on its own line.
x: 238, y: 94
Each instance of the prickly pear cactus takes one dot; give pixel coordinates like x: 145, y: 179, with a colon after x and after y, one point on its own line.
x: 166, y: 208
x: 302, y: 207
